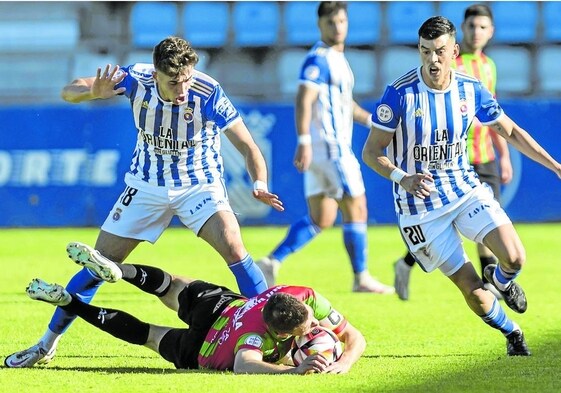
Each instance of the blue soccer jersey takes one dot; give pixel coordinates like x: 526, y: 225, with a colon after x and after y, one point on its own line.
x: 430, y: 129
x: 331, y: 127
x: 177, y: 145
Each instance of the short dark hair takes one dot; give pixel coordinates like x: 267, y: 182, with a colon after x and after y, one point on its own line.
x: 283, y: 313
x: 478, y: 10
x: 435, y: 27
x: 327, y: 8
x: 172, y: 55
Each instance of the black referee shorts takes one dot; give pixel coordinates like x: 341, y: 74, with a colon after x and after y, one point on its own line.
x: 200, y: 304
x: 489, y: 173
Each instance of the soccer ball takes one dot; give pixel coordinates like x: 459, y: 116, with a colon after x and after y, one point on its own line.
x: 319, y: 340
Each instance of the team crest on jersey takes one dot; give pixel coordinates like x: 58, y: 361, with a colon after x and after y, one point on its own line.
x: 311, y: 72
x: 117, y: 214
x: 384, y: 113
x: 188, y: 115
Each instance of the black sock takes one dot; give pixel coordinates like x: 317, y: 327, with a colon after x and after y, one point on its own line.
x: 147, y: 278
x: 486, y: 261
x: 117, y: 323
x: 409, y: 260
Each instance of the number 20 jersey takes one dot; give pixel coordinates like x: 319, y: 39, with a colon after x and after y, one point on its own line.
x: 430, y: 130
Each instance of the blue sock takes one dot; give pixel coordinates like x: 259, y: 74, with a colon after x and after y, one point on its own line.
x: 498, y: 319
x: 356, y: 243
x: 249, y: 277
x: 84, y: 285
x: 299, y: 234
x: 503, y: 277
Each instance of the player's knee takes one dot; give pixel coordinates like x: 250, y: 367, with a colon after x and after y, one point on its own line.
x: 516, y: 260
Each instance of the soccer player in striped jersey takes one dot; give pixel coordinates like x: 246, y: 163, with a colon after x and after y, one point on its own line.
x: 477, y: 29
x: 226, y: 331
x: 325, y: 111
x: 176, y: 169
x: 418, y: 140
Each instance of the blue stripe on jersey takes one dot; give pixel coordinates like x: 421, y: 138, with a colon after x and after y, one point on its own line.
x: 142, y: 124
x: 157, y: 128
x: 208, y: 175
x: 190, y: 135
x: 432, y: 106
x: 332, y: 147
x: 175, y: 159
x: 450, y: 122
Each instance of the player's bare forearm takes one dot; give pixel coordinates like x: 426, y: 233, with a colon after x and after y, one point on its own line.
x: 373, y: 152
x: 251, y: 362
x: 523, y: 142
x: 355, y: 344
x: 77, y: 91
x: 361, y: 115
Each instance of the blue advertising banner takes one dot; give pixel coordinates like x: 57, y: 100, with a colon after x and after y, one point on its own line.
x: 63, y: 165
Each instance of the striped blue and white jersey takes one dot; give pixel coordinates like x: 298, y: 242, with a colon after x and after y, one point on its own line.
x: 331, y: 126
x: 431, y: 129
x: 177, y: 145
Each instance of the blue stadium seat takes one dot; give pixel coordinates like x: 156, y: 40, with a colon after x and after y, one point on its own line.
x: 206, y: 24
x: 365, y: 19
x: 515, y: 22
x: 549, y: 57
x: 151, y: 22
x: 454, y: 10
x: 87, y: 63
x: 363, y: 64
x: 300, y: 21
x: 551, y: 16
x: 404, y: 19
x: 39, y: 27
x: 288, y: 69
x: 256, y: 23
x: 514, y: 66
x: 396, y: 61
x: 40, y: 74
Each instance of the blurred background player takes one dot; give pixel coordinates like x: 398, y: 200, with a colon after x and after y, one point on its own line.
x: 477, y: 29
x: 180, y: 114
x: 226, y: 331
x: 325, y: 111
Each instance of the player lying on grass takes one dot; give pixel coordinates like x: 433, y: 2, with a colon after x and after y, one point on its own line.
x: 227, y: 331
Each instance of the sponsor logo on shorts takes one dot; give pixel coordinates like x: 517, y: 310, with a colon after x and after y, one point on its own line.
x: 117, y: 214
x: 223, y: 299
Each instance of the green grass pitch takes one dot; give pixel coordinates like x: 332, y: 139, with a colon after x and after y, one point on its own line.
x: 432, y: 343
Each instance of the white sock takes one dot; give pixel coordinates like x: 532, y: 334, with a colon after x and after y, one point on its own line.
x: 50, y: 340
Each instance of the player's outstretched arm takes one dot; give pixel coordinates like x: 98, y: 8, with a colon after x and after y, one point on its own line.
x: 523, y: 142
x: 355, y: 345
x: 101, y: 86
x: 249, y: 361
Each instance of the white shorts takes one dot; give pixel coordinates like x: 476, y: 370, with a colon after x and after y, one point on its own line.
x: 334, y: 178
x: 143, y: 211
x: 435, y: 242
